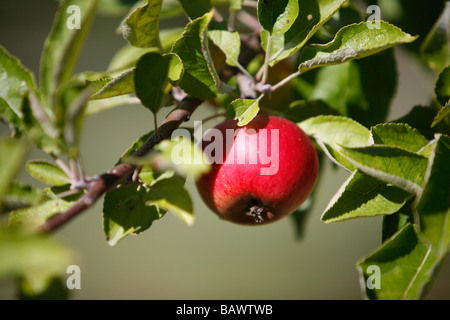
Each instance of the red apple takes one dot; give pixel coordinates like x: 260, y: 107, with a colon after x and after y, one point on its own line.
x: 260, y: 173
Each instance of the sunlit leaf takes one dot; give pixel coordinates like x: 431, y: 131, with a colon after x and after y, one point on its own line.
x: 15, y: 81
x: 179, y: 154
x: 391, y: 165
x: 54, y: 288
x: 47, y: 172
x: 63, y: 45
x: 198, y: 79
x: 364, y: 196
x: 400, y: 269
x: 170, y: 195
x: 398, y: 135
x: 21, y: 195
x: 243, y: 110
x: 442, y: 114
x: 333, y: 132
x: 361, y: 89
x: 125, y: 212
x: 353, y: 42
x: 229, y: 43
x: 150, y: 79
x: 141, y: 28
x: 277, y: 16
x: 108, y: 88
x: 236, y: 5
x: 35, y: 216
x: 36, y: 258
x: 312, y: 14
x: 12, y: 154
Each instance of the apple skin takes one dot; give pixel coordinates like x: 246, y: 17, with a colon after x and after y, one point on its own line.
x: 239, y: 193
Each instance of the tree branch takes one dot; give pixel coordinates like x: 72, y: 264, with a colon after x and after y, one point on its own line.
x: 99, y: 185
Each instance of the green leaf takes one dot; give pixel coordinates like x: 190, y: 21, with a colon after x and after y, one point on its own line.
x: 197, y: 79
x: 20, y: 196
x: 74, y: 103
x: 134, y: 146
x: 352, y: 42
x: 277, y: 16
x: 63, y: 45
x: 442, y: 114
x: 420, y: 118
x: 170, y: 195
x: 236, y: 5
x: 427, y: 149
x: 391, y: 165
x: 15, y: 82
x: 125, y: 212
x: 312, y: 14
x: 12, y: 154
x: 10, y: 118
x: 141, y: 28
x: 56, y: 289
x: 406, y: 266
x: 364, y: 196
x: 97, y: 106
x: 183, y: 156
x: 243, y: 110
x: 435, y: 49
x: 229, y: 43
x: 339, y: 87
x: 179, y: 154
x: 36, y: 258
x: 132, y: 209
x: 128, y: 55
x: 176, y: 68
x: 332, y: 132
x: 360, y: 89
x: 398, y: 135
x: 158, y: 164
x: 98, y: 84
x: 108, y: 88
x: 433, y: 203
x: 47, y: 172
x: 40, y: 127
x: 442, y: 88
x: 34, y: 217
x: 150, y: 176
x: 220, y: 86
x: 196, y: 9
x: 150, y: 79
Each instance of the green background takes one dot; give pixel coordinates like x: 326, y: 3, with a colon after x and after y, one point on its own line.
x: 212, y: 259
